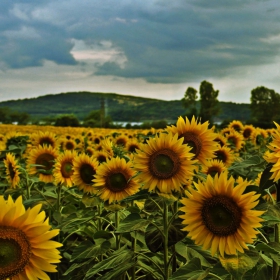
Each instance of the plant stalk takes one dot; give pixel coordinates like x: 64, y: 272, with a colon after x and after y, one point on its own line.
x: 165, y: 241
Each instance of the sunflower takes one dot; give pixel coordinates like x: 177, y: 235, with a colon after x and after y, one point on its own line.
x: 84, y: 168
x: 68, y: 145
x: 47, y: 138
x: 121, y: 140
x: 100, y: 156
x: 226, y: 155
x: 115, y: 180
x: 27, y: 251
x: 63, y: 168
x: 259, y: 136
x: 12, y: 170
x: 196, y: 135
x: 220, y: 139
x: 43, y: 156
x: 132, y: 145
x: 235, y: 140
x: 213, y: 166
x: 247, y: 131
x: 218, y: 215
x: 165, y: 163
x: 236, y: 125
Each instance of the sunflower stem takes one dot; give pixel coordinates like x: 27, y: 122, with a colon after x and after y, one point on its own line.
x: 117, y: 220
x: 275, y: 267
x: 133, y: 247
x: 59, y: 187
x: 165, y: 241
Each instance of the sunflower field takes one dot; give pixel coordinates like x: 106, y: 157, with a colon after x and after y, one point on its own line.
x: 188, y: 201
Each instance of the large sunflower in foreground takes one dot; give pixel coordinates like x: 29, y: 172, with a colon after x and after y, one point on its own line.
x: 12, y: 170
x: 26, y: 248
x: 165, y: 163
x: 198, y: 136
x: 63, y: 168
x: 84, y: 167
x: 41, y: 161
x: 219, y: 216
x: 114, y: 180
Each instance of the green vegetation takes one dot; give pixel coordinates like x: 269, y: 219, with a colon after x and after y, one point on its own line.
x: 118, y: 107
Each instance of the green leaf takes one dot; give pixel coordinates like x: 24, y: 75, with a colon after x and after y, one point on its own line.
x: 117, y: 271
x: 238, y: 265
x: 262, y: 272
x: 266, y: 248
x: 88, y: 250
x: 265, y: 181
x: 191, y: 271
x: 103, y: 235
x: 132, y: 222
x: 118, y: 258
x: 77, y: 265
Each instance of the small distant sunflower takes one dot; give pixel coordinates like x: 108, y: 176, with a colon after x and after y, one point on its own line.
x: 115, y: 180
x: 84, y: 172
x: 100, y: 156
x: 107, y: 146
x: 198, y: 136
x: 45, y: 157
x: 27, y: 251
x: 165, y: 163
x: 213, y: 166
x: 12, y: 170
x: 47, y: 138
x: 236, y: 125
x: 226, y: 155
x: 121, y: 140
x: 132, y: 145
x: 63, y: 168
x: 219, y: 216
x: 259, y: 137
x: 220, y: 139
x: 248, y: 131
x: 89, y: 151
x: 70, y: 145
x: 225, y: 131
x: 235, y: 140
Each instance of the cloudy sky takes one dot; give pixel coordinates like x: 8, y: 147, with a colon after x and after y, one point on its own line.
x: 149, y: 48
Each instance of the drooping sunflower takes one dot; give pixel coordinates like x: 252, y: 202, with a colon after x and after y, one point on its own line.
x: 213, y: 166
x: 236, y: 125
x: 247, y: 131
x: 198, y: 136
x: 235, y: 140
x: 84, y: 168
x: 219, y: 216
x: 226, y: 155
x: 165, y: 163
x: 27, y: 251
x: 259, y: 137
x: 63, y: 168
x: 115, y: 180
x: 12, y: 170
x: 43, y: 157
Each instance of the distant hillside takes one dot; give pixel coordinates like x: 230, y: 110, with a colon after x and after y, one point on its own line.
x: 119, y: 107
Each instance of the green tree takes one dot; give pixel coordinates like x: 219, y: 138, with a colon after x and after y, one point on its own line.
x: 209, y: 103
x: 67, y: 120
x: 96, y: 118
x: 265, y: 105
x: 20, y: 118
x: 189, y: 101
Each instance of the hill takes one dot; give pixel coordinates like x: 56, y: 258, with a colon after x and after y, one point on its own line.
x: 119, y: 107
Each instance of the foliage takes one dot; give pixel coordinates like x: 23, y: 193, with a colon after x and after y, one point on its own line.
x: 67, y: 120
x: 209, y: 104
x: 189, y: 101
x: 265, y: 105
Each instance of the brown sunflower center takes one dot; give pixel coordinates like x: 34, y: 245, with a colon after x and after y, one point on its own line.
x: 67, y: 169
x: 46, y: 160
x: 132, y: 148
x: 69, y: 146
x: 164, y: 164
x: 247, y: 133
x: 116, y: 182
x: 213, y: 170
x: 194, y: 142
x: 15, y: 251
x: 220, y: 155
x: 46, y: 141
x: 11, y: 171
x: 87, y: 173
x: 221, y: 215
x: 101, y: 158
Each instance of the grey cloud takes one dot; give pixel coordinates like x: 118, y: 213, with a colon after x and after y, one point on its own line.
x: 162, y: 41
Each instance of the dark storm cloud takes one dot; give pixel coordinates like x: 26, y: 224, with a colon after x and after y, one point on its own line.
x: 162, y: 41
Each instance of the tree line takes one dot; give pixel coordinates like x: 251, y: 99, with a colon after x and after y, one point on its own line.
x: 264, y: 106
